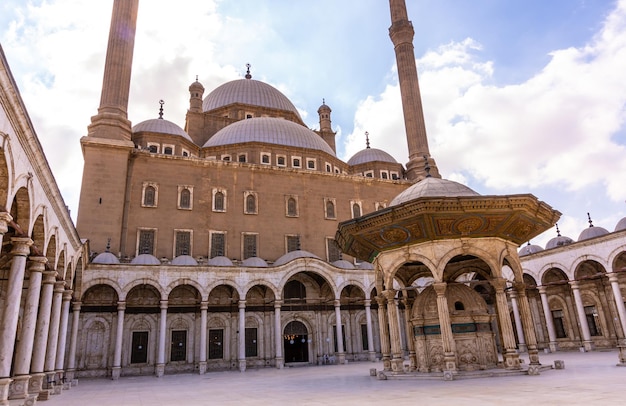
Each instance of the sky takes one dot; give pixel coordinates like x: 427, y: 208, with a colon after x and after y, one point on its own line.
x: 520, y: 96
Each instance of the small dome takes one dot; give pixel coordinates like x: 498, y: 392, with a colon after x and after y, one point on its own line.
x: 145, y: 259
x: 558, y: 241
x: 105, y: 258
x: 371, y: 155
x: 592, y: 232
x: 196, y: 86
x: 343, y: 264
x: 254, y: 262
x: 433, y: 187
x: 529, y: 249
x: 365, y: 265
x: 269, y: 130
x: 248, y: 91
x: 184, y: 260
x: 220, y: 261
x: 161, y: 126
x: 290, y: 256
x: 621, y: 225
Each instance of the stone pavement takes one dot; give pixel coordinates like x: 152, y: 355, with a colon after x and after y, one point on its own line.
x: 588, y: 379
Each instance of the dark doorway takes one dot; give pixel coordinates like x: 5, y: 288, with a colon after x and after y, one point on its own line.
x: 179, y: 345
x: 296, y: 343
x: 139, y: 352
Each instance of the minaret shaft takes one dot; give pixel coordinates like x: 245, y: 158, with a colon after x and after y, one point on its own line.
x: 401, y: 33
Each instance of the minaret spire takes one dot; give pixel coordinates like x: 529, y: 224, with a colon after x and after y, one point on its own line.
x: 401, y: 33
x: 112, y: 118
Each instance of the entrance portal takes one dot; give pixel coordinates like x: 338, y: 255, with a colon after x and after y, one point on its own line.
x: 295, y: 342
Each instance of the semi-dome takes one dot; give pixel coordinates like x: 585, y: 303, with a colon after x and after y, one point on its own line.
x: 529, y: 249
x: 592, y: 232
x: 248, y: 91
x: 105, y: 258
x: 161, y: 126
x: 184, y: 260
x: 290, y: 256
x: 621, y: 225
x: 433, y: 187
x: 269, y: 130
x: 220, y: 261
x: 254, y: 262
x: 371, y: 155
x: 145, y: 259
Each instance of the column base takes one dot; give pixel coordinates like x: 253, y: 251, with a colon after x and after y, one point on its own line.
x: 386, y: 363
x: 533, y: 356
x: 371, y: 356
x: 280, y: 363
x: 242, y: 365
x: 534, y: 370
x: 449, y: 360
x: 588, y: 345
x: 554, y: 347
x: 115, y: 373
x: 49, y: 380
x: 397, y: 365
x: 159, y: 370
x: 70, y: 374
x: 18, y: 389
x: 5, y: 383
x: 35, y: 384
x: 511, y: 360
x: 621, y: 354
x: 202, y: 367
x: 341, y: 358
x: 412, y: 361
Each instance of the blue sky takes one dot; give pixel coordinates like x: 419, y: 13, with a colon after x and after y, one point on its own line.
x: 519, y: 96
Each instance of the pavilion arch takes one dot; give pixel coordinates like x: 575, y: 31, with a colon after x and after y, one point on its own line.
x: 387, y: 265
x: 144, y: 281
x: 223, y: 282
x: 468, y: 264
x: 602, y: 262
x: 101, y: 295
x: 260, y: 282
x: 515, y: 266
x: 105, y: 281
x: 468, y: 251
x: 185, y: 281
x: 589, y: 269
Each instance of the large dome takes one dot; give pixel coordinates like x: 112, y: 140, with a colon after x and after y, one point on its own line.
x: 269, y: 130
x: 161, y: 126
x: 248, y: 91
x: 370, y: 155
x: 433, y: 187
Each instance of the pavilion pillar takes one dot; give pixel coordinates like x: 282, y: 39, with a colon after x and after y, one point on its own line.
x: 278, y: 335
x: 60, y: 355
x: 582, y: 317
x: 621, y: 311
x: 518, y: 322
x: 410, y: 339
x: 340, y: 350
x: 71, y: 360
x: 529, y: 329
x: 511, y: 357
x: 35, y: 385
x: 548, y: 316
x: 242, y: 335
x: 394, y: 331
x: 160, y: 367
x: 385, y: 347
x: 370, y: 337
x: 119, y: 334
x: 204, y: 307
x: 24, y: 351
x: 53, y: 334
x: 445, y: 326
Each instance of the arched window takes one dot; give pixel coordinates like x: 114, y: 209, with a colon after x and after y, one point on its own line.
x: 168, y: 150
x: 459, y: 306
x: 292, y: 207
x: 356, y: 210
x: 218, y: 201
x: 251, y: 204
x: 148, y: 197
x: 330, y: 209
x: 185, y: 199
x: 153, y: 149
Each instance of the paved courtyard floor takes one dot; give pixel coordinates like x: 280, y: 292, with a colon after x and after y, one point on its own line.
x: 588, y: 379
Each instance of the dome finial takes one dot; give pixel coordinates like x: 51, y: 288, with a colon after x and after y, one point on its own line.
x: 161, y: 102
x: 196, y: 78
x: 589, y: 221
x: 558, y: 232
x: 427, y: 167
x: 367, y: 139
x: 108, y: 248
x: 248, y: 75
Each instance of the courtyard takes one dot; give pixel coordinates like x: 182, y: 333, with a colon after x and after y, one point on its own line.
x: 590, y: 378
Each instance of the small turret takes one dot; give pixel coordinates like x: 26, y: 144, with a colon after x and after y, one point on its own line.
x: 196, y: 90
x: 326, y: 131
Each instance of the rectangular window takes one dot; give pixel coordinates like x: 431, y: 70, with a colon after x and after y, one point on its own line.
x: 293, y: 243
x: 146, y: 242
x: 364, y: 337
x: 179, y: 345
x: 310, y: 163
x: 216, y: 344
x: 218, y: 244
x: 592, y: 320
x: 183, y: 243
x: 559, y: 327
x: 249, y: 246
x: 332, y: 248
x: 139, y: 351
x: 251, y: 342
x: 296, y: 162
x: 265, y: 158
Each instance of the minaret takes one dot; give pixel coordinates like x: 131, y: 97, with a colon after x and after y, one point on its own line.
x: 326, y: 130
x: 401, y: 33
x: 107, y: 147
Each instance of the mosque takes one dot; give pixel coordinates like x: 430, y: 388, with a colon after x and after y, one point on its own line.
x: 240, y: 240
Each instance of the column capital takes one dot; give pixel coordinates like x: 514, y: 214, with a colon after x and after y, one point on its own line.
x: 49, y: 277
x: 498, y: 284
x: 67, y: 295
x: 278, y: 304
x: 76, y: 306
x: 204, y: 305
x: 368, y: 302
x: 242, y: 304
x: 390, y: 294
x: 59, y: 286
x: 163, y: 304
x: 513, y: 294
x: 5, y: 219
x: 121, y: 306
x: 337, y: 303
x: 612, y: 277
x: 21, y: 246
x: 440, y: 288
x: 542, y: 289
x: 37, y: 264
x: 574, y: 285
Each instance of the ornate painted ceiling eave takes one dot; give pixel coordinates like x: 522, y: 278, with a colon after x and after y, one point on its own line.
x: 516, y: 218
